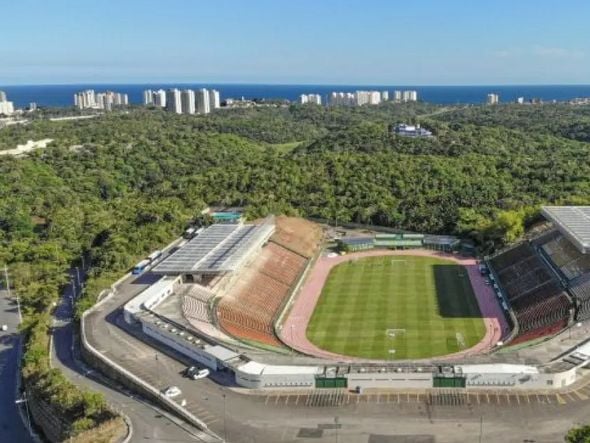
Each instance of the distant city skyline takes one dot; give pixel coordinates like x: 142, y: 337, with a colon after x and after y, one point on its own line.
x: 371, y: 42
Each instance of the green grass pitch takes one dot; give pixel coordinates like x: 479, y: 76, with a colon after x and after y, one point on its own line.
x: 396, y: 307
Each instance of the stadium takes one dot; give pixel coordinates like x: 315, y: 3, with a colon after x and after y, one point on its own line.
x: 289, y: 303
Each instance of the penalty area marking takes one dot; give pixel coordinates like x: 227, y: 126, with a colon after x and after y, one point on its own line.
x: 394, y: 332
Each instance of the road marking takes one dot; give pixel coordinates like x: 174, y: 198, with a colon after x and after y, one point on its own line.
x: 508, y: 398
x: 267, y: 398
x: 297, y: 400
x: 488, y: 397
x: 277, y: 400
x: 408, y: 399
x: 560, y: 400
x: 570, y: 396
x: 581, y: 395
x: 378, y: 398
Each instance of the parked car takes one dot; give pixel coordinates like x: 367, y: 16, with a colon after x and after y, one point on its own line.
x: 195, y: 373
x: 4, y: 328
x: 172, y: 391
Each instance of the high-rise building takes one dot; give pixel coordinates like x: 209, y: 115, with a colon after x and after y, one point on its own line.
x: 85, y: 99
x: 3, y: 96
x: 410, y: 96
x: 214, y: 101
x: 520, y: 100
x: 384, y: 96
x: 90, y: 99
x: 148, y: 97
x: 203, y: 101
x: 173, y: 101
x: 159, y: 98
x: 316, y: 99
x: 397, y: 96
x: 493, y: 99
x: 188, y: 101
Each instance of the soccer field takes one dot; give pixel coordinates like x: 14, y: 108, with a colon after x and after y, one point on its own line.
x: 396, y: 307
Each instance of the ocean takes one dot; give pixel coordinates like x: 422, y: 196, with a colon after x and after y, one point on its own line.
x: 62, y: 95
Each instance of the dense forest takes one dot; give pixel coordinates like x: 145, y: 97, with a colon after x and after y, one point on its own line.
x: 118, y: 186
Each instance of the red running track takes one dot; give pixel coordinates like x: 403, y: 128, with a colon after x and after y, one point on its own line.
x: 294, y: 329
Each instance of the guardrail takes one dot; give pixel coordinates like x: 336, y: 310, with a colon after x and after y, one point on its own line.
x: 131, y: 379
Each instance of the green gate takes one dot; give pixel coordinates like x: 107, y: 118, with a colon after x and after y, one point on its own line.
x: 337, y: 382
x: 448, y: 382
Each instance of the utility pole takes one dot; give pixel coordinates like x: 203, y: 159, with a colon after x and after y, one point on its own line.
x: 73, y: 280
x: 25, y: 400
x: 20, y: 315
x: 78, y: 275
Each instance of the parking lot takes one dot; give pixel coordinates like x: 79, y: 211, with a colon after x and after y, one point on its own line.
x: 438, y: 397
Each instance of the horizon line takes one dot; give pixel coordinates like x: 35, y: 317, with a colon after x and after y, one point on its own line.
x: 167, y: 82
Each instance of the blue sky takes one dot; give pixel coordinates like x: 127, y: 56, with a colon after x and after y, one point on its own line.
x: 420, y: 42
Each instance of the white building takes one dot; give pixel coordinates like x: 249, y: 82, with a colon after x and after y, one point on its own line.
x: 6, y: 107
x: 203, y: 101
x: 493, y: 99
x: 173, y: 101
x: 159, y: 98
x: 520, y: 100
x: 3, y: 96
x: 315, y: 99
x: 384, y: 96
x: 85, y: 99
x: 214, y: 100
x: 148, y: 97
x: 397, y: 96
x: 89, y: 99
x: 410, y: 96
x: 358, y: 98
x: 188, y: 101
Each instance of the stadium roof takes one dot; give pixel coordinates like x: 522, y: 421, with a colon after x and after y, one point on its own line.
x: 219, y: 248
x: 573, y: 222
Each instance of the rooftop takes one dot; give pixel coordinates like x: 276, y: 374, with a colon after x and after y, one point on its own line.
x: 219, y: 248
x: 573, y: 222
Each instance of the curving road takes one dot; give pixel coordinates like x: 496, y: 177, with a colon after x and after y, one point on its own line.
x: 148, y: 422
x: 12, y: 428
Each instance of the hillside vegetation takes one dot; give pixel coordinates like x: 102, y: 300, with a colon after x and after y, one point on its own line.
x: 116, y: 187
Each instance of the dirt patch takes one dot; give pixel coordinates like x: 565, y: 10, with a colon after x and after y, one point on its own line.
x: 297, y: 234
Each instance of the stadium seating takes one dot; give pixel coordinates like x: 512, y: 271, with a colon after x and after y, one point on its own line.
x: 540, y: 305
x: 249, y: 310
x: 564, y: 255
x: 195, y: 300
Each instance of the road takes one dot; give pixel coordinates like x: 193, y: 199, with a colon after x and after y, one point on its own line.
x: 327, y: 415
x: 149, y: 423
x: 12, y: 428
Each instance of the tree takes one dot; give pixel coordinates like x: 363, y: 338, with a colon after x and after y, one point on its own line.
x: 578, y: 435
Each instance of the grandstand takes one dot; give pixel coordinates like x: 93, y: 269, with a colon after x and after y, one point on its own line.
x: 539, y: 303
x: 249, y: 309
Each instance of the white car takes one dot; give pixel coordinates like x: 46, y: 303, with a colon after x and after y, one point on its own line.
x: 4, y: 328
x: 195, y: 373
x: 172, y: 391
